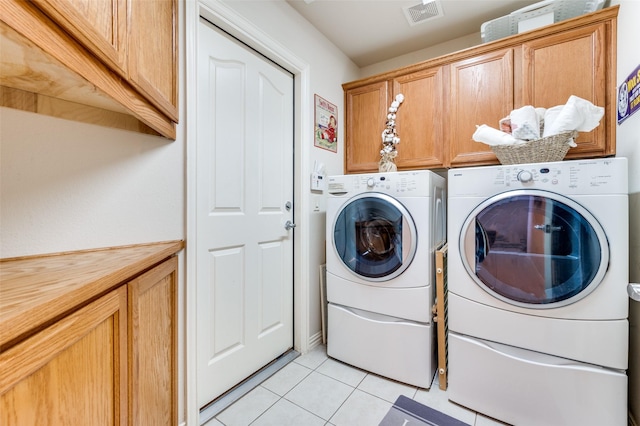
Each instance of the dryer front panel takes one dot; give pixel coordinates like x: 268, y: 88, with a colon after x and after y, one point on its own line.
x: 375, y: 237
x: 535, y: 249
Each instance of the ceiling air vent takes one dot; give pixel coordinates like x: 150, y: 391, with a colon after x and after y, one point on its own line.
x: 423, y: 12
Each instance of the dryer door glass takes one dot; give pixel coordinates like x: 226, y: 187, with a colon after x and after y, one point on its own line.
x: 538, y: 250
x: 374, y: 236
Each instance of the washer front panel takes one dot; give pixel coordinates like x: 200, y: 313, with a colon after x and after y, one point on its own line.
x: 374, y: 236
x: 533, y: 248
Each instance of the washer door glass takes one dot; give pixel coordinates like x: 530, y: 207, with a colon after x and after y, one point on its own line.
x: 375, y: 236
x: 534, y: 248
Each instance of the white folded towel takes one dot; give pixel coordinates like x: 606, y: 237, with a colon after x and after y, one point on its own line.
x: 524, y: 123
x: 577, y: 114
x: 550, y: 117
x: 491, y: 136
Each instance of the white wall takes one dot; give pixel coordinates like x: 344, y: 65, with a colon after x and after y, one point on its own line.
x: 422, y: 55
x: 70, y: 186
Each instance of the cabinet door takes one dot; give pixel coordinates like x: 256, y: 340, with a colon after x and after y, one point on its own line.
x: 572, y: 63
x: 153, y: 52
x: 481, y: 93
x: 366, y: 115
x: 71, y: 373
x: 153, y: 344
x: 420, y: 119
x: 101, y: 26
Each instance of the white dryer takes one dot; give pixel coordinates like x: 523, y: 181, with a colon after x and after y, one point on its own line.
x: 382, y: 233
x: 538, y: 267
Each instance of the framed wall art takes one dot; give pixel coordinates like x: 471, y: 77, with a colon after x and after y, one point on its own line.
x: 326, y: 125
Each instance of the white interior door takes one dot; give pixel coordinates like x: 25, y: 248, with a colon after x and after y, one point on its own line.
x: 244, y: 196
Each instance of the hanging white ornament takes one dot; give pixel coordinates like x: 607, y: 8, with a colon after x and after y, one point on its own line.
x: 390, y: 138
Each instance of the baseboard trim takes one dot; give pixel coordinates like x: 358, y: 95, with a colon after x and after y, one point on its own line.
x: 315, y: 340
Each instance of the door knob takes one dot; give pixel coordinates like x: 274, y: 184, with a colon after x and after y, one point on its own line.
x: 289, y: 225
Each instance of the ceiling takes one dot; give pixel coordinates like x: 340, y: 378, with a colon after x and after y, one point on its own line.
x: 371, y: 31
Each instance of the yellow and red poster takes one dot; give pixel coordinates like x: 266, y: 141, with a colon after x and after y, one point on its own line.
x: 326, y: 131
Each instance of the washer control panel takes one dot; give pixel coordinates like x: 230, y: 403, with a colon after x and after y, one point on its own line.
x: 527, y: 177
x: 576, y: 176
x: 410, y: 183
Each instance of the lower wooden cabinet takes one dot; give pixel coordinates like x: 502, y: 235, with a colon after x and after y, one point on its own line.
x: 71, y: 373
x: 113, y: 361
x: 153, y: 379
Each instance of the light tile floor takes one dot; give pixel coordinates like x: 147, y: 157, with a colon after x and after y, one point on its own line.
x: 317, y: 390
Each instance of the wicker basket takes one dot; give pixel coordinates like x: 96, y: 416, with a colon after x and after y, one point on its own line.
x: 551, y: 148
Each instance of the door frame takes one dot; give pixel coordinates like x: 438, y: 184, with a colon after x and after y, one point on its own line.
x: 236, y: 25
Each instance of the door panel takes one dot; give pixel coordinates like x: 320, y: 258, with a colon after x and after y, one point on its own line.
x: 481, y: 93
x: 421, y: 140
x: 101, y: 26
x: 366, y: 116
x: 153, y: 61
x: 244, y: 259
x: 583, y: 52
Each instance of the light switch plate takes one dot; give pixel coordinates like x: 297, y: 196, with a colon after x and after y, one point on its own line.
x: 317, y: 182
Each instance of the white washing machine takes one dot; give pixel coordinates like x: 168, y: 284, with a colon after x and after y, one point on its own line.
x: 382, y: 233
x: 537, y: 275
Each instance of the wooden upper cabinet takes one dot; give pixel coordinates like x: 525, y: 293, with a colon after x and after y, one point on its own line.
x: 572, y: 63
x: 137, y: 39
x: 153, y: 58
x: 447, y: 97
x: 106, y: 62
x: 419, y: 122
x: 366, y: 113
x: 481, y: 92
x: 420, y: 119
x: 101, y: 26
